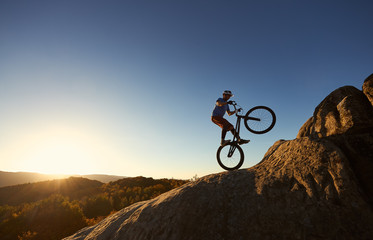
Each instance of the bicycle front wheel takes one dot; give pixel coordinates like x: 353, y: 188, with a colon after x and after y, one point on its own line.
x: 260, y: 119
x: 230, y: 156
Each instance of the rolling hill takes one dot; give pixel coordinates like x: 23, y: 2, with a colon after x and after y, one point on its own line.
x: 15, y: 178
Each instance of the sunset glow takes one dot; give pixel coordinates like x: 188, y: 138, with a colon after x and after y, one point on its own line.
x: 57, y: 150
x: 60, y: 155
x: 127, y: 88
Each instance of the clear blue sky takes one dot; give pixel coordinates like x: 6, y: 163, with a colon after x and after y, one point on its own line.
x: 127, y: 87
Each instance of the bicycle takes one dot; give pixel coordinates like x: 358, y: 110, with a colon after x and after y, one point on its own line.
x: 258, y: 120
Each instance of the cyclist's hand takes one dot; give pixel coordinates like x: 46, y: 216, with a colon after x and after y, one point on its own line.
x: 230, y: 102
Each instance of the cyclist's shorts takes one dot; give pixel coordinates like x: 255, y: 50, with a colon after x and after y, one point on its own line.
x: 222, y: 122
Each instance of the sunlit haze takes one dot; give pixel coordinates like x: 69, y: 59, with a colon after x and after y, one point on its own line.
x: 127, y: 87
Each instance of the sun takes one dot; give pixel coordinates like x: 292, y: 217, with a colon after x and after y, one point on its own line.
x: 60, y: 151
x: 64, y: 149
x: 62, y: 156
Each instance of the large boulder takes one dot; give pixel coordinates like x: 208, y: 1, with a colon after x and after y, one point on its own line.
x: 345, y: 110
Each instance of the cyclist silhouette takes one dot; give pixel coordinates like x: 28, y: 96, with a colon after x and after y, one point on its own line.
x: 217, y: 117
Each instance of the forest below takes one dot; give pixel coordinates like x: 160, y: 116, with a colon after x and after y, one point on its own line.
x: 55, y: 209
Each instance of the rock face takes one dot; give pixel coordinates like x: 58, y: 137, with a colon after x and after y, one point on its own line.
x: 344, y: 110
x: 318, y: 186
x: 368, y: 88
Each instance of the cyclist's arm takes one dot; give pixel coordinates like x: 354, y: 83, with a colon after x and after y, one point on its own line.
x: 231, y: 113
x: 220, y: 104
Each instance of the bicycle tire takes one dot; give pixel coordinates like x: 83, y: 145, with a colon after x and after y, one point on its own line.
x: 230, y: 163
x: 266, y: 122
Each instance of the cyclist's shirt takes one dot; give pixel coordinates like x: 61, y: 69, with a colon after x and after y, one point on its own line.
x: 220, y: 111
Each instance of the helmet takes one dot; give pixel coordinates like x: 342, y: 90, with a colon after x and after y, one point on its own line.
x: 228, y: 93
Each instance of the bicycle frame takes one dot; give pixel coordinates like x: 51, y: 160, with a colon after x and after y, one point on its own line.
x: 237, y: 128
x: 237, y: 131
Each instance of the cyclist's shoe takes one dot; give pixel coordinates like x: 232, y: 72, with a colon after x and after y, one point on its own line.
x: 224, y: 142
x: 243, y: 141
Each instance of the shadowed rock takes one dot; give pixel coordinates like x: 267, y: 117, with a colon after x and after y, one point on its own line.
x: 368, y: 88
x: 314, y: 187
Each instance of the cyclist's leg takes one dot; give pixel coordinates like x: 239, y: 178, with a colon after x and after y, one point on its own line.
x: 234, y: 133
x: 227, y: 126
x: 240, y: 141
x: 224, y: 124
x: 223, y: 134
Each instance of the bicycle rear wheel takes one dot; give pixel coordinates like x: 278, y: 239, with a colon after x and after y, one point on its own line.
x: 260, y: 119
x: 230, y: 156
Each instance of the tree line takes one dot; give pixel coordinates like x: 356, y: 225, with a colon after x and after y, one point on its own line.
x: 61, y: 213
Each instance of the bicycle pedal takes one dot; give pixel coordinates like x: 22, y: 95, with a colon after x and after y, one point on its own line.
x: 243, y: 142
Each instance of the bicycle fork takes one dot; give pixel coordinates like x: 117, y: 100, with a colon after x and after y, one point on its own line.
x: 231, y: 150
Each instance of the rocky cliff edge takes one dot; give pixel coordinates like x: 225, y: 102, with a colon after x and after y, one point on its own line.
x: 317, y: 186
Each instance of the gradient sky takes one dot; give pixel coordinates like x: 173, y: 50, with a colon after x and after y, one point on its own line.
x: 127, y: 87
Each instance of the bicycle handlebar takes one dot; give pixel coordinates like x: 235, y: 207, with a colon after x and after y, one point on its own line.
x: 234, y: 104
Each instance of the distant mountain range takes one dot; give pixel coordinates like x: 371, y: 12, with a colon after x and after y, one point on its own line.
x: 15, y: 178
